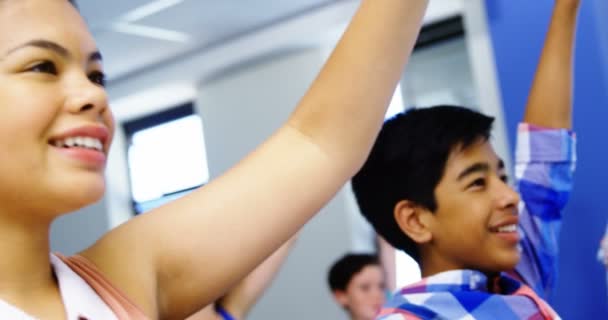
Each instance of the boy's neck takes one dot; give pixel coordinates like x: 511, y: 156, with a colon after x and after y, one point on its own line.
x: 432, y: 264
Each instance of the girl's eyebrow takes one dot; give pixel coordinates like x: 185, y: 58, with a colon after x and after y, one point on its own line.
x: 53, y: 46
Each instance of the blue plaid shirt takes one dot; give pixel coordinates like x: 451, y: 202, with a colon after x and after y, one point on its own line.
x: 545, y: 162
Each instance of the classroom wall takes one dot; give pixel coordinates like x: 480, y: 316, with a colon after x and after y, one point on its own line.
x: 240, y: 109
x: 74, y: 232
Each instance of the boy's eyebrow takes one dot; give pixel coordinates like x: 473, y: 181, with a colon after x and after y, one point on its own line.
x: 55, y: 47
x: 477, y: 167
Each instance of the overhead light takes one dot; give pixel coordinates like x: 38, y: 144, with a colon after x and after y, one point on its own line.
x: 149, y: 9
x: 151, y: 32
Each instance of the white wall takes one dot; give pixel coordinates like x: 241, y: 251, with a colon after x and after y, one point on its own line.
x: 74, y: 232
x: 240, y: 110
x: 481, y: 55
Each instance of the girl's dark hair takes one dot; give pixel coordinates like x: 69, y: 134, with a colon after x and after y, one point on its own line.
x: 343, y: 270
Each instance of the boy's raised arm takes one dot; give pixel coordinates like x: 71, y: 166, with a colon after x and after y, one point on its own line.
x: 545, y: 159
x: 550, y: 100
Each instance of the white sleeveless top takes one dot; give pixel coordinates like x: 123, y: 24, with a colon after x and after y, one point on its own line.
x: 80, y: 300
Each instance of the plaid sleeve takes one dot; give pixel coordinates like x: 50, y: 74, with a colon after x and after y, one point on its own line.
x: 545, y: 163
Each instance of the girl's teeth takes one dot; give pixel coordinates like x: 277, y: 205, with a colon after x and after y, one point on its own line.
x: 70, y: 142
x: 84, y: 142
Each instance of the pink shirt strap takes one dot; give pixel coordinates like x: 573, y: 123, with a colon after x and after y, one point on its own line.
x: 120, y: 304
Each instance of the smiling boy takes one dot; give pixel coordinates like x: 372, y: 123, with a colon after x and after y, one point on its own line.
x: 434, y: 187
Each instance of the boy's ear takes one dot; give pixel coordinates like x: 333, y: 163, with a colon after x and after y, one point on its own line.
x: 413, y: 220
x: 341, y: 298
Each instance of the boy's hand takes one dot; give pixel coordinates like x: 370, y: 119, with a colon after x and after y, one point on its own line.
x: 573, y: 4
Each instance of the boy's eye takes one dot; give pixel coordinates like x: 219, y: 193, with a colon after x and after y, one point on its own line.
x: 478, y: 183
x: 44, y: 67
x: 98, y: 77
x: 504, y: 178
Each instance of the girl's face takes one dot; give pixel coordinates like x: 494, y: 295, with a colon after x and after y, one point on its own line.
x: 55, y: 123
x: 365, y: 293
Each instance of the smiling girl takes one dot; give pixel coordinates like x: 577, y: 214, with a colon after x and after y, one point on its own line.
x: 55, y: 132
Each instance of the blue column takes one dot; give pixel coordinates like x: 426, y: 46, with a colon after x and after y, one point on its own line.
x: 517, y: 29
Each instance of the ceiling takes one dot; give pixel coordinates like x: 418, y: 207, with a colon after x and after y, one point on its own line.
x: 137, y: 34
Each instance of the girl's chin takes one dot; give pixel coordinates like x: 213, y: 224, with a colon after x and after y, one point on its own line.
x: 73, y: 200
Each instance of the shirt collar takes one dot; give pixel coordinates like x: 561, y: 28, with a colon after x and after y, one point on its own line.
x: 463, y: 280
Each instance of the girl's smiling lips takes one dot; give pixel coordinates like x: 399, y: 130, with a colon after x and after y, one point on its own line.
x: 86, y: 144
x: 98, y: 133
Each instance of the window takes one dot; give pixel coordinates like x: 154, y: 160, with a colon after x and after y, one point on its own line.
x: 166, y: 156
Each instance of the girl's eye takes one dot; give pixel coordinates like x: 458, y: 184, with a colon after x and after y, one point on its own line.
x: 44, y: 67
x: 98, y: 77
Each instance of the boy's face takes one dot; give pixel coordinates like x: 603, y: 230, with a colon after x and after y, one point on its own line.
x: 475, y: 224
x: 365, y: 293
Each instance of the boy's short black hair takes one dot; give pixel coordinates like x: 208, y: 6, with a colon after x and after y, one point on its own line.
x: 407, y: 162
x: 343, y: 270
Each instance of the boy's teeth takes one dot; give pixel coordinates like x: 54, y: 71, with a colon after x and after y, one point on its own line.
x: 509, y: 228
